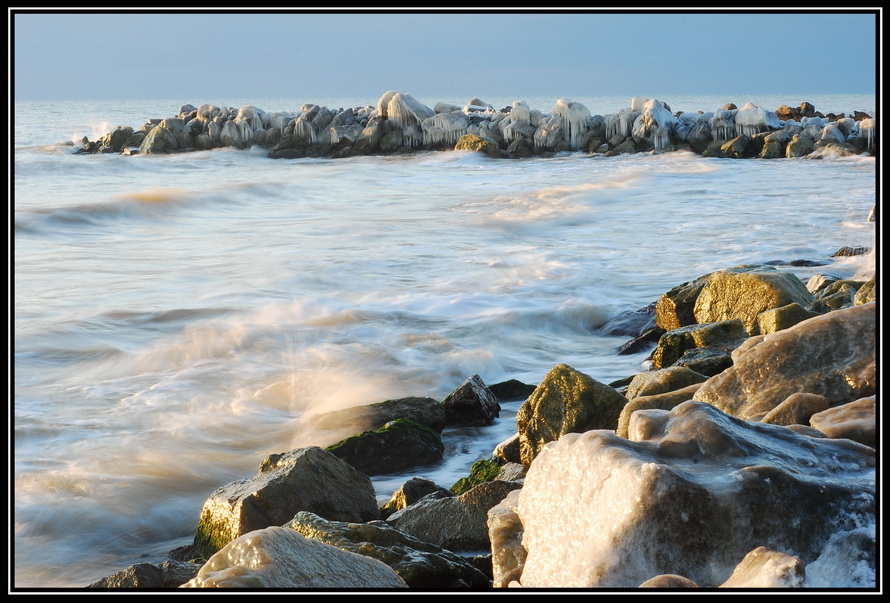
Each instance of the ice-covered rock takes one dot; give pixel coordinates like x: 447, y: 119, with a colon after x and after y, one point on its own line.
x: 575, y: 117
x: 403, y: 109
x: 832, y: 355
x: 276, y: 558
x: 752, y: 119
x: 692, y: 492
x: 856, y: 420
x: 655, y: 125
x: 444, y: 128
x: 722, y: 124
x: 763, y: 568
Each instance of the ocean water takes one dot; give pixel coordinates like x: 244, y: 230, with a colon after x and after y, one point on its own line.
x: 176, y: 316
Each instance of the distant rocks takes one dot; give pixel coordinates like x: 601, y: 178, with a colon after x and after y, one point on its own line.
x: 400, y: 123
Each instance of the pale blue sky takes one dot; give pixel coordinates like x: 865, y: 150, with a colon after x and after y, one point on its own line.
x: 100, y: 56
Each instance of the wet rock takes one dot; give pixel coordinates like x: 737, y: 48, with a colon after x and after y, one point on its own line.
x: 305, y: 479
x: 395, y: 447
x: 777, y: 319
x: 409, y: 493
x: 486, y: 146
x: 668, y: 581
x: 356, y: 419
x: 832, y: 355
x: 169, y: 574
x: 420, y: 564
x: 566, y: 401
x: 457, y: 523
x: 471, y: 404
x: 725, y: 335
x: 277, y: 557
x: 796, y: 409
x: 660, y: 381
x: 730, y: 294
x: 855, y: 421
x: 636, y: 508
x: 706, y: 361
x: 662, y: 401
x: 511, y: 391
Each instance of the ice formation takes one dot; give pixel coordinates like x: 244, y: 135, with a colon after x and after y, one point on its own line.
x: 620, y: 123
x: 444, y: 127
x: 250, y: 115
x: 867, y: 129
x: 403, y: 109
x: 574, y: 119
x: 723, y: 124
x: 751, y: 120
x: 656, y: 123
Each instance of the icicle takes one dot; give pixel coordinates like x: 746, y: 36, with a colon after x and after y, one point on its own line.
x: 444, y: 128
x: 867, y: 129
x: 573, y: 117
x: 751, y: 120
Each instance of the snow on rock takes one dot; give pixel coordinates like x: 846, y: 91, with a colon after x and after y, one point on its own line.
x: 574, y: 118
x: 691, y: 493
x: 751, y: 120
x: 722, y: 124
x: 620, y: 123
x: 277, y: 557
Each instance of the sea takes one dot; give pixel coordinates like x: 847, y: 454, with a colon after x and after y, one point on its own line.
x: 176, y: 317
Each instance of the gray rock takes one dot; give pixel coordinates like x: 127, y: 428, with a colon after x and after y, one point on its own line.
x: 305, y: 479
x: 471, y: 404
x: 169, y: 574
x: 395, y: 447
x: 457, y: 523
x: 420, y: 564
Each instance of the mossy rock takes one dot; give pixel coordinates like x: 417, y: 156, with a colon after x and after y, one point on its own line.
x: 482, y: 471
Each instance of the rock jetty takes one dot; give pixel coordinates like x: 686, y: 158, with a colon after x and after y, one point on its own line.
x: 758, y: 471
x: 401, y: 124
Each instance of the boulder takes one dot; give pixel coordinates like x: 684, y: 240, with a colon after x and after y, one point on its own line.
x: 511, y: 390
x: 636, y: 508
x: 457, y: 523
x: 725, y: 335
x: 420, y: 564
x: 486, y: 146
x: 744, y: 294
x: 395, y: 447
x: 305, y: 479
x: 776, y: 319
x: 668, y: 581
x: 409, y: 493
x: 796, y: 409
x: 505, y: 533
x: 482, y: 471
x: 282, y: 558
x: 799, y: 146
x: 856, y: 420
x: 169, y: 574
x: 471, y: 404
x: 660, y: 381
x: 832, y: 355
x: 356, y: 419
x: 158, y: 140
x: 706, y: 361
x: 566, y: 401
x: 662, y: 401
x: 763, y: 568
x: 867, y: 292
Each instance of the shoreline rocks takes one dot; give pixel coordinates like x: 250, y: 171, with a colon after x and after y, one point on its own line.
x: 759, y: 473
x: 400, y: 124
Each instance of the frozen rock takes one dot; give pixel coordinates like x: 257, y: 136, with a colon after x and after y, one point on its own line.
x: 663, y: 401
x: 305, y: 479
x: 855, y: 420
x: 276, y: 557
x: 832, y: 355
x: 566, y: 401
x: 420, y: 564
x: 692, y: 495
x: 763, y: 568
x: 575, y: 117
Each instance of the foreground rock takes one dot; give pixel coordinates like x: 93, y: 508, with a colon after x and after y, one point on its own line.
x: 832, y: 355
x: 281, y: 558
x: 566, y: 401
x: 399, y: 445
x: 306, y: 479
x: 457, y: 523
x: 169, y: 574
x: 691, y: 493
x: 420, y: 564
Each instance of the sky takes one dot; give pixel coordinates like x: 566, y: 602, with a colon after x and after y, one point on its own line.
x: 178, y: 54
